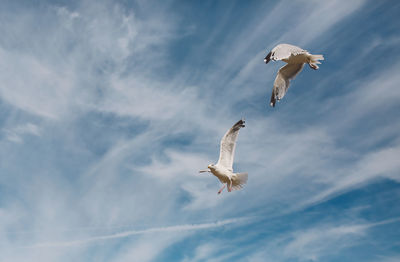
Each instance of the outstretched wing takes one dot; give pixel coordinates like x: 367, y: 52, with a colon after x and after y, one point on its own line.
x: 284, y: 51
x: 228, y: 145
x: 282, y: 81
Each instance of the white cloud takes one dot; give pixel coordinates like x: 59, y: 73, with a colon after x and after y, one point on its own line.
x: 311, y: 244
x: 107, y: 58
x: 317, y: 242
x: 393, y: 258
x: 149, y: 247
x: 179, y: 228
x: 380, y: 164
x: 15, y: 134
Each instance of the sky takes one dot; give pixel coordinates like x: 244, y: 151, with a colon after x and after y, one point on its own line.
x: 108, y: 110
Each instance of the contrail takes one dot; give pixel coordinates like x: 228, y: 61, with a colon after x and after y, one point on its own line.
x: 178, y: 228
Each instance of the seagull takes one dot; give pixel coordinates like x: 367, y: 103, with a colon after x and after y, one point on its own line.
x: 223, y: 169
x: 295, y: 57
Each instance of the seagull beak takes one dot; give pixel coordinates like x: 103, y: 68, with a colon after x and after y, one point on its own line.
x: 268, y: 58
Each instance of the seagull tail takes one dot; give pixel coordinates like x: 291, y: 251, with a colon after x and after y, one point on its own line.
x: 315, y: 58
x: 239, y: 181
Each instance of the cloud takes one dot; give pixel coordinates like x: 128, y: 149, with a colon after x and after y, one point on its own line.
x: 119, y: 105
x: 300, y: 23
x: 213, y: 252
x: 179, y: 228
x: 149, y: 248
x: 15, y: 134
x: 375, y: 165
x: 317, y: 242
x: 388, y: 258
x: 76, y: 49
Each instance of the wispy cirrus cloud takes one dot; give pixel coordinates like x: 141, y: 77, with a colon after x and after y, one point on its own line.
x: 122, y: 104
x: 316, y: 243
x: 15, y: 134
x: 169, y: 229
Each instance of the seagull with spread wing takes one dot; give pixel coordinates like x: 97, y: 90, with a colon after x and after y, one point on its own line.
x: 223, y: 169
x: 295, y: 57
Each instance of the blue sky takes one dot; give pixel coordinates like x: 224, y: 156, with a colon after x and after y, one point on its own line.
x: 108, y: 109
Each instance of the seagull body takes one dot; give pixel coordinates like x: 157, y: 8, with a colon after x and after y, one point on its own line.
x: 223, y: 169
x: 295, y: 57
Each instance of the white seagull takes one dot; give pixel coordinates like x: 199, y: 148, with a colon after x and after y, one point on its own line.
x: 295, y: 57
x: 223, y: 169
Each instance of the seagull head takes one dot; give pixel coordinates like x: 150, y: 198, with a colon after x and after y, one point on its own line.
x: 211, y: 166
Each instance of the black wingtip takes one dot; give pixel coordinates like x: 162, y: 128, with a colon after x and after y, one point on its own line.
x: 240, y: 123
x: 267, y: 58
x: 273, y: 100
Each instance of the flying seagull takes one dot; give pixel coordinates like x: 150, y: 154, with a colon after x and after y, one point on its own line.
x: 295, y: 57
x: 223, y: 169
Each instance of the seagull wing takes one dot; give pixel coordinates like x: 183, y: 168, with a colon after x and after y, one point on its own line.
x: 228, y: 144
x: 284, y: 51
x: 282, y: 81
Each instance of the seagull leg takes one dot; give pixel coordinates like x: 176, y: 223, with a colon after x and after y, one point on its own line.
x: 313, y: 66
x: 230, y: 186
x: 204, y: 171
x: 220, y: 190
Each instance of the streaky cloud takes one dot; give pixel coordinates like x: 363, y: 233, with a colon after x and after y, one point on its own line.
x: 178, y: 228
